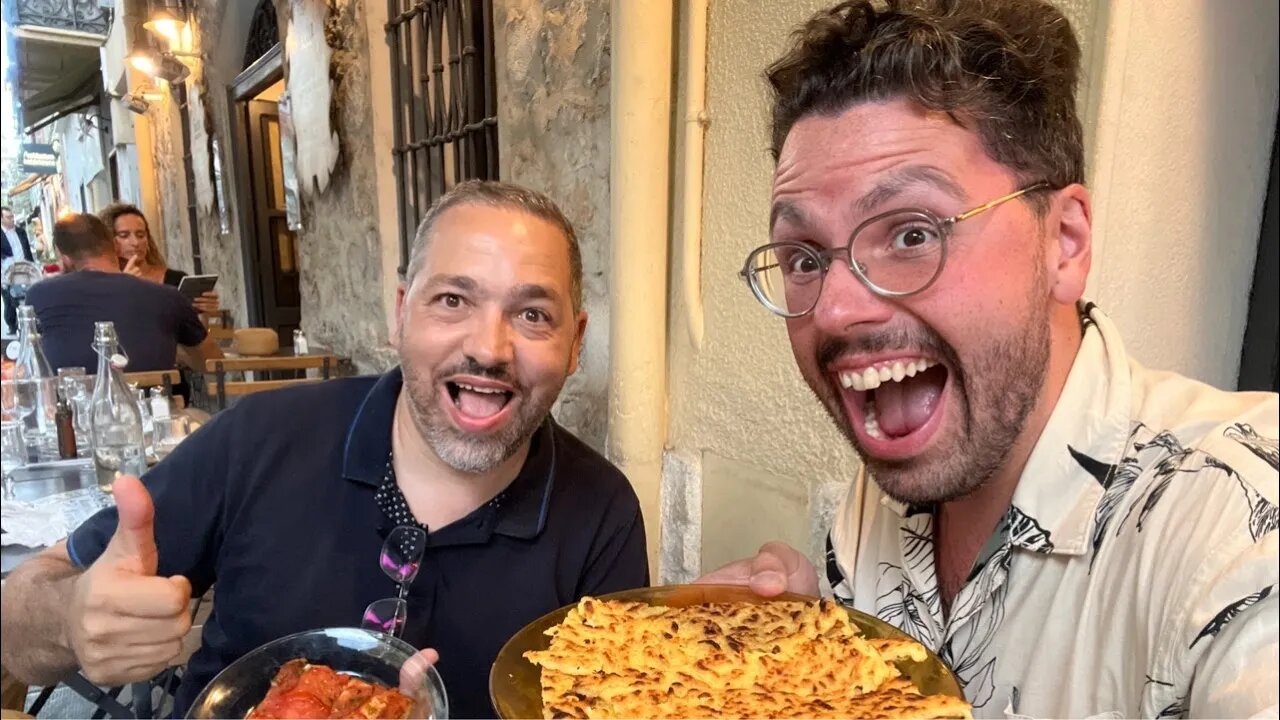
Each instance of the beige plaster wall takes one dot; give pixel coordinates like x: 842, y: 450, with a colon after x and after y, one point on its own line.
x: 751, y: 455
x: 1187, y: 112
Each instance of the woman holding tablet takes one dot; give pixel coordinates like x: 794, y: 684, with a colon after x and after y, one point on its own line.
x: 141, y: 258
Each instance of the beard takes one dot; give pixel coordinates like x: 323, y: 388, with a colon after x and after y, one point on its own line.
x: 992, y: 395
x: 464, y: 451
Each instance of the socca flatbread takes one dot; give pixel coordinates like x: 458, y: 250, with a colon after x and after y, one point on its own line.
x: 616, y: 659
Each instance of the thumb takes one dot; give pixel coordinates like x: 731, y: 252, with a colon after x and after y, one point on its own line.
x: 134, y: 544
x: 768, y: 576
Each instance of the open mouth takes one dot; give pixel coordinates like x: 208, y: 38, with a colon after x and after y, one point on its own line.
x: 895, y: 405
x: 478, y: 405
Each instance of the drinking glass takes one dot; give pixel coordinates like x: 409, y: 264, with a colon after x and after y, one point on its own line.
x: 13, y: 452
x: 18, y: 401
x: 168, y: 433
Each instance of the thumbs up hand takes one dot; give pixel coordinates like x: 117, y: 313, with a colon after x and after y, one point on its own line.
x: 126, y: 624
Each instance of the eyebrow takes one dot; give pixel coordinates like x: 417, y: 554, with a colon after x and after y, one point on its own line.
x: 787, y: 211
x: 885, y: 190
x: 898, y: 181
x: 533, y: 291
x: 461, y: 282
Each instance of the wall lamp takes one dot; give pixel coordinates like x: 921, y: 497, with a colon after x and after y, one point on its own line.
x: 167, y: 22
x: 161, y: 65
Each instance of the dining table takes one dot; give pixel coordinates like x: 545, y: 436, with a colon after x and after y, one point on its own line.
x: 40, y: 481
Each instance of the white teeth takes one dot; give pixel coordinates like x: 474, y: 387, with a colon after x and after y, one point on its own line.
x: 870, y: 378
x: 871, y: 424
x: 472, y: 388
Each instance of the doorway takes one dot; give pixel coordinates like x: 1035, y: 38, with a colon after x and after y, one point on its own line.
x: 269, y: 247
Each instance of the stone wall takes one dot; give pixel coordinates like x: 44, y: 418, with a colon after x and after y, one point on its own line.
x: 553, y: 135
x: 168, y: 230
x: 220, y: 254
x: 553, y: 99
x: 340, y: 250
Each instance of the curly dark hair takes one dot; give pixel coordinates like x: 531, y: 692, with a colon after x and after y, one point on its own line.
x: 115, y: 211
x: 1006, y: 69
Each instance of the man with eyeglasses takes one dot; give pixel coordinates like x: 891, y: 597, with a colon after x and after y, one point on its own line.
x: 1075, y: 535
x: 438, y: 501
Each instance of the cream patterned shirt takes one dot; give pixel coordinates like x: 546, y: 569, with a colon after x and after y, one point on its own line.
x: 1135, y: 572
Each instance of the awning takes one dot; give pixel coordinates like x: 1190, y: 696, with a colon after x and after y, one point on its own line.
x: 25, y: 185
x: 78, y: 89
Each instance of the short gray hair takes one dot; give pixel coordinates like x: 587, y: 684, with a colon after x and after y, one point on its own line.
x: 500, y: 195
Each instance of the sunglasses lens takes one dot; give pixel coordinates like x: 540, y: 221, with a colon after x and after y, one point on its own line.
x: 385, y: 616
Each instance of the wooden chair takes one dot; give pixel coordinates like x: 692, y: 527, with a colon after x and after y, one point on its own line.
x: 148, y: 379
x: 224, y: 388
x: 152, y: 378
x: 222, y: 335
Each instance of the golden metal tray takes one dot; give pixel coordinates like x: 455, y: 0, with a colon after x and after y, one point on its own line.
x: 514, y: 683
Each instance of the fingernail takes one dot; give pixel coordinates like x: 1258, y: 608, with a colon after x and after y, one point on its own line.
x: 768, y: 576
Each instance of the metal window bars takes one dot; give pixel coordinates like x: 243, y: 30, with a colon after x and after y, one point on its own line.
x: 443, y: 92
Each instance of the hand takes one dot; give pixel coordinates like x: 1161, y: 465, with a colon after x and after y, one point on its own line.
x: 413, y: 674
x: 207, y: 303
x: 776, y: 568
x: 133, y: 267
x: 124, y: 623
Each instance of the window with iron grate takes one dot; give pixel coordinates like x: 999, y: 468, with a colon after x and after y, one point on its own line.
x: 445, y: 120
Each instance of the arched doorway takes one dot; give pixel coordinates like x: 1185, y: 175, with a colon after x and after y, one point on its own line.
x: 269, y: 247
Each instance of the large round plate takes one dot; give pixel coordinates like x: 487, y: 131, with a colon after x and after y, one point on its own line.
x: 515, y: 687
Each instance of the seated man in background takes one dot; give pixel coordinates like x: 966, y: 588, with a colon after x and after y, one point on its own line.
x: 153, y: 321
x: 286, y: 499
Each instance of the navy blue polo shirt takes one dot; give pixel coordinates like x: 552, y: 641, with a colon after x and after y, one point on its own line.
x: 274, y: 501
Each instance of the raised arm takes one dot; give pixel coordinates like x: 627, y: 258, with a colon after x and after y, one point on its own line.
x: 117, y: 620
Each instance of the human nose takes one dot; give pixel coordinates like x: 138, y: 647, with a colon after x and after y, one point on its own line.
x: 845, y: 301
x: 489, y: 342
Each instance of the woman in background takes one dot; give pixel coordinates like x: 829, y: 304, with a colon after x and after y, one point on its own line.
x: 140, y: 257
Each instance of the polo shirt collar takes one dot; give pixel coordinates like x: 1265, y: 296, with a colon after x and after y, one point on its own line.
x: 364, y: 459
x: 523, y: 510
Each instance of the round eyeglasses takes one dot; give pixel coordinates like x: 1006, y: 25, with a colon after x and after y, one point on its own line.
x: 895, y: 254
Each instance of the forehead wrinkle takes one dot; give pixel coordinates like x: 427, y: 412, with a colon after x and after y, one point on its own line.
x: 901, y: 179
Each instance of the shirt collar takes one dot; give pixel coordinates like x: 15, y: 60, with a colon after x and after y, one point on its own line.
x: 1071, y: 463
x: 523, y: 512
x: 1053, y: 507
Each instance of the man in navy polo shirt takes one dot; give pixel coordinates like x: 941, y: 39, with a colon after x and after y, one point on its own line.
x: 285, y: 500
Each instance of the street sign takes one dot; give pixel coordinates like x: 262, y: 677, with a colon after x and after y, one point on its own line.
x: 39, y: 159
